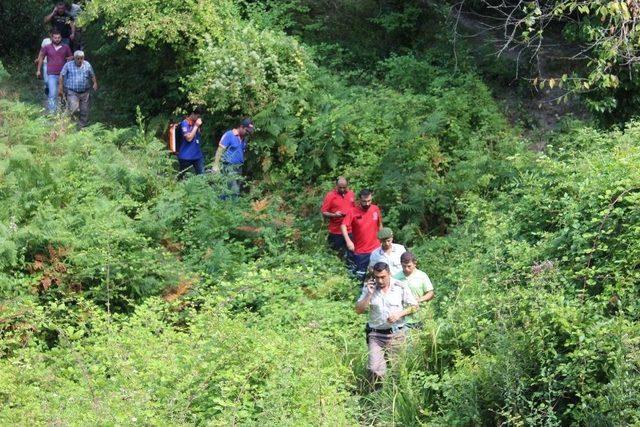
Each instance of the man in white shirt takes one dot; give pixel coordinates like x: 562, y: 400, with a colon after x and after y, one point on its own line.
x: 45, y: 42
x: 388, y: 252
x: 389, y: 302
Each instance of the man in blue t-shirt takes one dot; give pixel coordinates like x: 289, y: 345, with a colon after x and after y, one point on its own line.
x: 189, y: 152
x: 231, y: 149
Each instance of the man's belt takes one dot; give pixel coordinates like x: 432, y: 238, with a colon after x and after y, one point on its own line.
x: 385, y: 331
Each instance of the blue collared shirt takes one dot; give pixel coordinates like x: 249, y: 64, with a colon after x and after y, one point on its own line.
x: 189, y: 150
x: 77, y: 79
x: 235, y: 146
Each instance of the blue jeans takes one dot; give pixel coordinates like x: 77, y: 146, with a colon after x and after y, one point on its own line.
x: 52, y: 97
x: 197, y: 164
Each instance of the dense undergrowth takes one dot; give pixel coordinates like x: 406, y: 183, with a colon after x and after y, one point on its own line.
x: 131, y: 298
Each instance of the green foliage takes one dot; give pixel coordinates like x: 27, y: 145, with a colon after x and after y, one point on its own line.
x: 129, y: 297
x: 21, y: 27
x: 218, y: 369
x: 536, y: 311
x: 247, y: 72
x: 176, y: 52
x: 3, y: 73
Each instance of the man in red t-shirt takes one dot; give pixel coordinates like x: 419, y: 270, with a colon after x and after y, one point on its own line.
x: 337, y: 203
x: 365, y: 220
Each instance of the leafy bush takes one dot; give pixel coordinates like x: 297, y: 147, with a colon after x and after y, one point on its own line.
x: 219, y: 370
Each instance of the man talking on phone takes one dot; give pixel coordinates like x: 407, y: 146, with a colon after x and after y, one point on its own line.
x: 389, y: 301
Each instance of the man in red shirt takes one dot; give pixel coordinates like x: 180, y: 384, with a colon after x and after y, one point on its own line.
x: 337, y: 203
x: 365, y: 220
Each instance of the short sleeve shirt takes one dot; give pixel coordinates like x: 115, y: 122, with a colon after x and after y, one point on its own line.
x: 392, y: 260
x: 235, y: 148
x: 419, y: 284
x: 77, y: 79
x: 56, y: 58
x: 364, y: 226
x: 334, y: 202
x: 62, y: 23
x: 382, y: 304
x: 189, y: 150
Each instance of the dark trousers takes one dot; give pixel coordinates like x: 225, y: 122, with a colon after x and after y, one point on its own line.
x: 338, y: 244
x: 360, y: 265
x: 198, y: 166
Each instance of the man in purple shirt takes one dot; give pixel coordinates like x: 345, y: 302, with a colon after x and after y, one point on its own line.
x: 57, y: 55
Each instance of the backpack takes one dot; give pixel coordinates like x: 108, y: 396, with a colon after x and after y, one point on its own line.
x: 175, y: 137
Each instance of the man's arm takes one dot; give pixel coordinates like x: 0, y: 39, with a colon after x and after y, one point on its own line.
x: 189, y: 136
x: 60, y: 85
x: 39, y: 62
x: 93, y: 78
x: 336, y: 214
x: 347, y: 239
x: 407, y: 300
x: 324, y: 209
x: 427, y: 297
x: 216, y: 160
x: 49, y: 17
x: 365, y: 299
x: 379, y: 219
x: 394, y: 317
x: 72, y: 24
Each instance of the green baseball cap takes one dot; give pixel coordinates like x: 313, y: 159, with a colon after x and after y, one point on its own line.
x: 385, y: 233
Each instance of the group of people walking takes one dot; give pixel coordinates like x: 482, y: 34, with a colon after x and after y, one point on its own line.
x: 230, y: 153
x: 67, y: 75
x: 392, y: 286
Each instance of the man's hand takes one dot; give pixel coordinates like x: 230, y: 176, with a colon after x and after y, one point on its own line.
x: 38, y: 73
x: 199, y: 122
x: 72, y: 36
x: 338, y: 213
x: 95, y: 86
x: 351, y: 246
x: 394, y: 317
x: 371, y: 286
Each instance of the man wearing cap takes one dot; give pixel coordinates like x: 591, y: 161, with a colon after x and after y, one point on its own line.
x: 337, y: 203
x: 76, y: 79
x: 388, y: 252
x: 365, y: 220
x: 231, y: 149
x: 389, y: 302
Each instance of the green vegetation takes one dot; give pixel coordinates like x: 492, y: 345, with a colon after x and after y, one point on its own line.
x: 128, y: 297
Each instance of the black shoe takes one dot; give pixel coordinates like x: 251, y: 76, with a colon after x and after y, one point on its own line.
x: 46, y: 90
